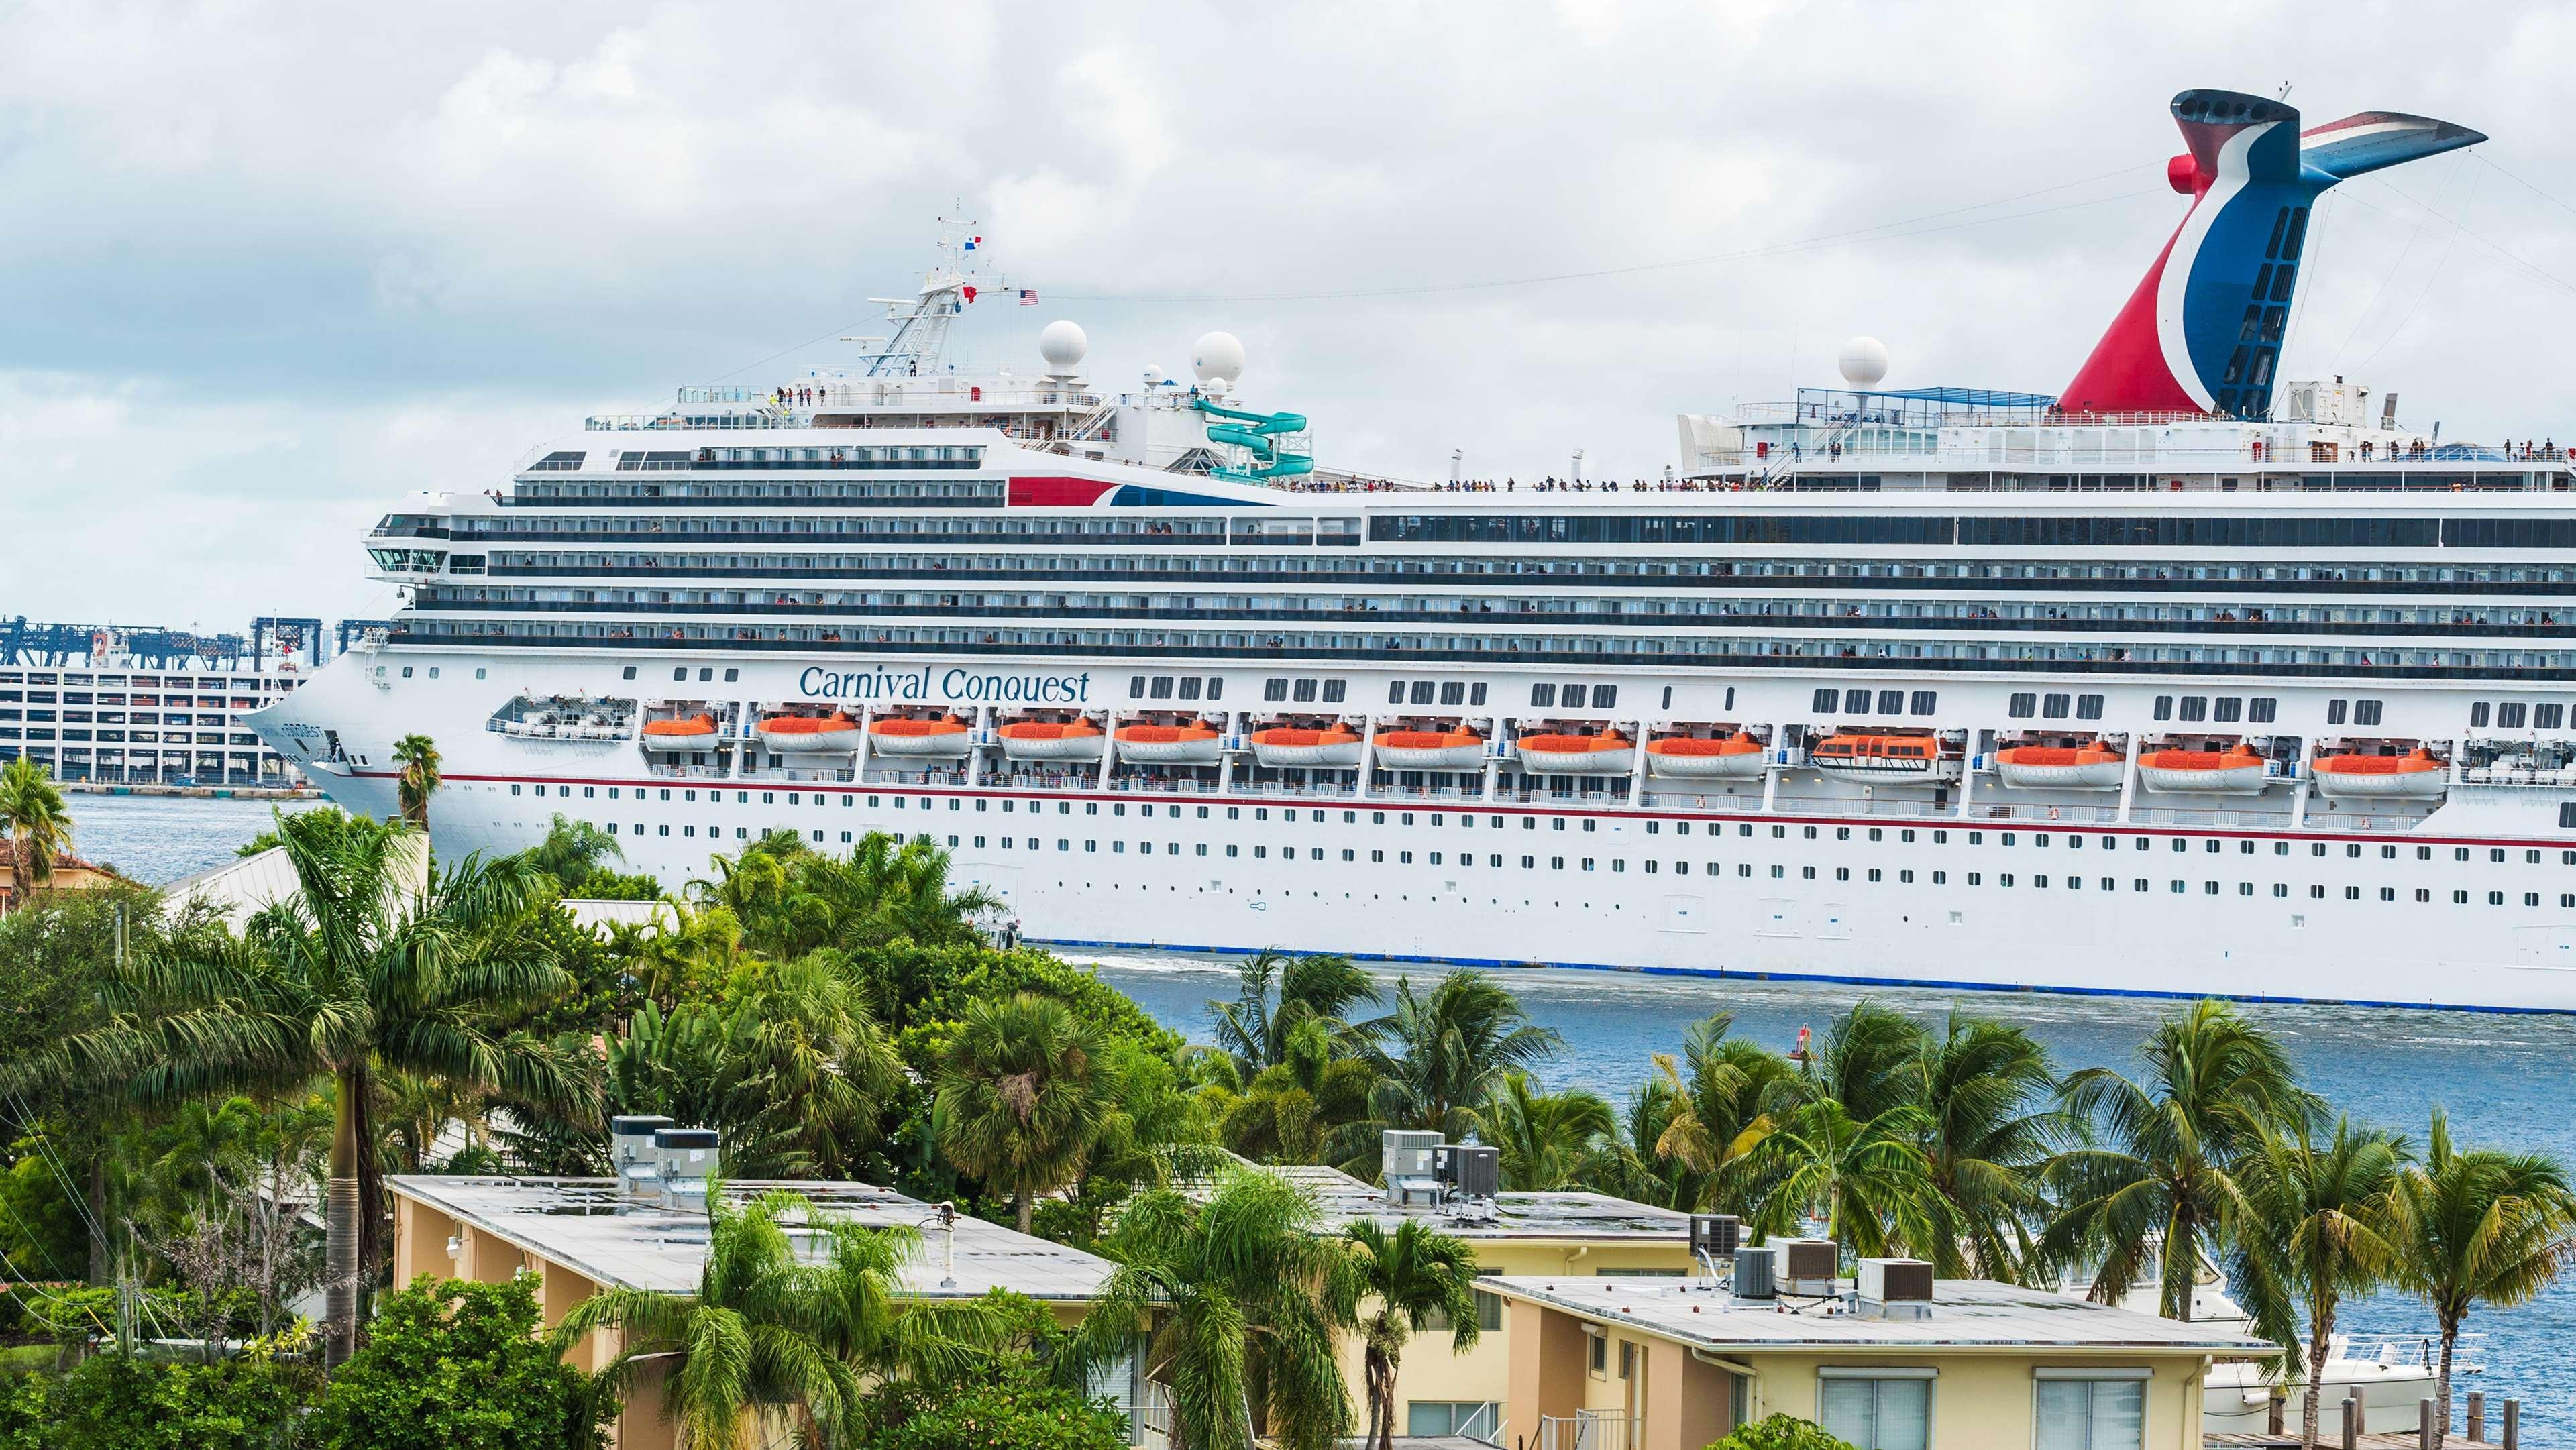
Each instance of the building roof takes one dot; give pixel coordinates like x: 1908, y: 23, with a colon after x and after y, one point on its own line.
x: 1536, y: 1217
x: 1967, y: 1315
x: 581, y: 1224
x: 240, y: 888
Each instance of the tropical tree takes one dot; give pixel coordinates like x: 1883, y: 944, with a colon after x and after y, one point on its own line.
x: 1989, y: 1092
x: 1870, y: 1059
x: 772, y: 1327
x: 1023, y: 1092
x: 1411, y: 1277
x: 2316, y: 1232
x: 2478, y: 1226
x: 1439, y: 1054
x: 1291, y: 1111
x: 1239, y: 1299
x: 39, y: 826
x: 1869, y: 1180
x: 1276, y: 994
x: 571, y: 850
x: 1727, y: 1095
x: 2157, y: 1180
x: 1625, y: 1164
x: 1547, y: 1139
x: 358, y: 974
x: 417, y: 757
x: 889, y: 888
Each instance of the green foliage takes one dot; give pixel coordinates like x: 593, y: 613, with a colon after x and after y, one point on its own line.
x: 112, y: 1402
x: 1440, y: 1054
x: 25, y: 1417
x: 1780, y: 1432
x: 450, y: 1365
x: 1025, y: 1414
x: 572, y: 851
x: 1024, y: 1092
x: 921, y: 992
x: 603, y: 884
x: 597, y: 994
x: 33, y: 816
x: 40, y: 1227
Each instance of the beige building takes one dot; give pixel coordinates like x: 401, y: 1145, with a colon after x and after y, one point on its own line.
x: 70, y: 873
x: 1627, y: 1364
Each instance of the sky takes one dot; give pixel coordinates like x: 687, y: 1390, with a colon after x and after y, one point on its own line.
x: 267, y: 268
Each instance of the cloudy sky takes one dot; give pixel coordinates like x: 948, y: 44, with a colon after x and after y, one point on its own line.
x: 266, y: 268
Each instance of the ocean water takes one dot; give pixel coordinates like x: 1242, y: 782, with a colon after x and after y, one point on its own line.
x: 2505, y: 1080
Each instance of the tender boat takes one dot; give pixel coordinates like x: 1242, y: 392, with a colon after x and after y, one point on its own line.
x: 1732, y: 757
x: 1050, y: 740
x: 1430, y: 750
x: 1879, y: 759
x: 2414, y: 776
x: 2091, y: 766
x: 2233, y: 771
x: 1578, y: 754
x: 1197, y: 744
x: 939, y: 739
x: 1338, y: 747
x: 809, y: 734
x: 694, y: 732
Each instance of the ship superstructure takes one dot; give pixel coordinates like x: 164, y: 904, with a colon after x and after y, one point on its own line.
x: 1931, y: 685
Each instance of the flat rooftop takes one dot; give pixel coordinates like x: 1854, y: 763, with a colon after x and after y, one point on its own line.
x: 1533, y: 1217
x: 1967, y: 1314
x: 581, y: 1224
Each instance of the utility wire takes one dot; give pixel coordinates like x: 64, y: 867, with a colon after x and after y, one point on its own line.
x: 2457, y: 231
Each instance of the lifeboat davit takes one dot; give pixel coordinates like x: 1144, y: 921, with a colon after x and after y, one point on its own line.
x: 2060, y: 767
x: 1050, y: 740
x: 1430, y: 750
x: 1338, y: 747
x: 808, y: 734
x: 695, y: 732
x: 941, y: 739
x: 1736, y: 757
x: 1169, y: 744
x: 1578, y: 754
x: 2416, y: 775
x: 2233, y: 771
x: 1877, y: 759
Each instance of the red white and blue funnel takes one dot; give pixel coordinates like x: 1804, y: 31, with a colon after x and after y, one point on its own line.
x: 2202, y: 334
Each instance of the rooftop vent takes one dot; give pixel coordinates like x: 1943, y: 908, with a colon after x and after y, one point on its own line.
x: 1472, y: 1170
x: 1404, y: 1156
x: 1806, y: 1266
x: 1896, y: 1288
x: 633, y: 1158
x: 1753, y: 1276
x: 1717, y: 1235
x: 688, y: 1157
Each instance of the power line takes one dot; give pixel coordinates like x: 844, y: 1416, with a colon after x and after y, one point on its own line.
x: 2518, y: 181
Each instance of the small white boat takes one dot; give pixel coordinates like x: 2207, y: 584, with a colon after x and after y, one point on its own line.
x: 2060, y: 767
x: 697, y: 732
x: 1578, y: 754
x: 1430, y: 750
x: 1734, y: 757
x: 809, y: 734
x: 1051, y: 740
x: 1881, y: 759
x: 2414, y: 776
x: 1169, y: 744
x: 2233, y: 771
x: 930, y: 739
x: 1282, y: 746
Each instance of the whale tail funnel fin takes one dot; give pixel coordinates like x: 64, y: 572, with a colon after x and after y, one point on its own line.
x: 2374, y: 140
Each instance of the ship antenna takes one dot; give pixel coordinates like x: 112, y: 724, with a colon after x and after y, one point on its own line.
x: 919, y: 331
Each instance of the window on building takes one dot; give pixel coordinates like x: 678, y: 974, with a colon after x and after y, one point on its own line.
x: 2164, y: 707
x: 2366, y: 712
x: 1605, y: 697
x: 2022, y: 706
x: 1877, y: 1413
x: 1274, y: 689
x: 1828, y: 702
x: 2195, y: 707
x: 2548, y: 717
x: 2088, y: 707
x: 1469, y: 1419
x: 2262, y: 710
x: 1922, y: 702
x: 2090, y: 1414
x: 2231, y: 708
x: 2478, y: 715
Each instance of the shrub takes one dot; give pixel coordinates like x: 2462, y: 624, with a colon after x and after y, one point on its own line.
x: 23, y: 1418
x: 113, y: 1402
x: 1021, y: 1415
x: 1781, y: 1432
x: 456, y: 1366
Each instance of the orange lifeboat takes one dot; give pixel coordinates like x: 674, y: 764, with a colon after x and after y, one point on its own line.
x: 2416, y: 775
x: 1734, y: 757
x: 1193, y: 744
x: 1880, y: 759
x: 810, y: 734
x: 2233, y: 771
x: 1605, y: 754
x: 1430, y: 750
x: 2060, y: 767
x: 897, y: 735
x: 694, y: 732
x: 1335, y: 748
x: 1050, y: 740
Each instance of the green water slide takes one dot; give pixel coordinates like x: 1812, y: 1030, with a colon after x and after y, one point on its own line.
x: 1260, y: 438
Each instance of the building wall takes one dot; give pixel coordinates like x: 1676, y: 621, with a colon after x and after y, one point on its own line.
x: 1988, y: 1401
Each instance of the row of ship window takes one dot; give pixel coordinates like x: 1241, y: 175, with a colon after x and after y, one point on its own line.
x: 2515, y: 714
x: 1978, y: 531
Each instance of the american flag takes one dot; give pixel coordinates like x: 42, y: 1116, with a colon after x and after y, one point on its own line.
x: 1028, y: 297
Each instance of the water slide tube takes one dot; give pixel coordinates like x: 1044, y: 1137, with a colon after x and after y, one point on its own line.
x: 1260, y: 440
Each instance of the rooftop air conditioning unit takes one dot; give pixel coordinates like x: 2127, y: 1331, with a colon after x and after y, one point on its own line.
x: 1473, y: 1169
x: 1806, y: 1266
x: 1753, y: 1277
x: 633, y: 1159
x: 1896, y: 1288
x: 1717, y: 1235
x: 1406, y: 1153
x: 688, y: 1160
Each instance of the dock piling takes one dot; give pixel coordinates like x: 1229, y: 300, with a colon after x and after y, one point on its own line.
x: 2351, y: 1422
x: 2513, y: 1425
x: 2424, y: 1438
x: 2477, y: 1417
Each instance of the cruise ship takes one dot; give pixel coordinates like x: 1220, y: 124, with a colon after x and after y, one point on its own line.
x: 2184, y: 680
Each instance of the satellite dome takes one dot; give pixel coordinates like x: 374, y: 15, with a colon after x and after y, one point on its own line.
x: 1864, y: 362
x: 1217, y: 357
x: 1062, y: 345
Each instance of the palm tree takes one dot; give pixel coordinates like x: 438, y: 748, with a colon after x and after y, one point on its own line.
x: 1440, y: 1054
x: 1022, y: 1096
x: 770, y: 1327
x: 2160, y: 1178
x: 1239, y: 1299
x: 1869, y: 1180
x: 1988, y: 1089
x: 356, y: 975
x: 1732, y: 1098
x: 1276, y: 994
x: 418, y: 757
x: 1290, y: 1112
x: 1870, y: 1060
x: 571, y: 850
x: 888, y: 888
x: 2316, y: 1231
x: 2478, y: 1226
x: 1417, y: 1277
x: 1626, y: 1165
x: 39, y: 827
x: 1545, y: 1138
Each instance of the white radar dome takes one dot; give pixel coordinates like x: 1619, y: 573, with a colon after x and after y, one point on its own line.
x: 1217, y: 357
x: 1063, y: 345
x: 1864, y: 362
